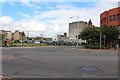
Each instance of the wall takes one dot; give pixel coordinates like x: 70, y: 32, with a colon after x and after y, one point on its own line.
x: 9, y: 35
x: 74, y: 30
x: 106, y: 14
x: 16, y: 35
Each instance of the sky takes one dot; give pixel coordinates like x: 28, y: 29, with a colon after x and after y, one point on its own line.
x: 49, y: 18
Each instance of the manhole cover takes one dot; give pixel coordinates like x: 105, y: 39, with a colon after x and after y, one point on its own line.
x: 89, y: 69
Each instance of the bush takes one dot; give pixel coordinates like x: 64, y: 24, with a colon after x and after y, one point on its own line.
x: 96, y: 46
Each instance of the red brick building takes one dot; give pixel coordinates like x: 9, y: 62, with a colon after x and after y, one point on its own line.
x: 111, y: 17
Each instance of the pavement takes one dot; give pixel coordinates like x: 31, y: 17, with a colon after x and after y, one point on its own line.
x: 59, y: 62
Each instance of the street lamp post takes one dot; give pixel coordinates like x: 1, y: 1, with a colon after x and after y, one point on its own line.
x: 100, y: 41
x: 27, y: 34
x: 78, y: 29
x: 21, y: 39
x: 104, y: 41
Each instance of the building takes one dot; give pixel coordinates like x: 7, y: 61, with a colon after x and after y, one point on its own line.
x: 62, y: 37
x: 17, y: 35
x: 54, y: 39
x: 111, y: 17
x: 9, y: 35
x: 39, y: 38
x: 12, y: 36
x: 6, y: 35
x: 49, y: 39
x: 3, y: 34
x: 75, y: 28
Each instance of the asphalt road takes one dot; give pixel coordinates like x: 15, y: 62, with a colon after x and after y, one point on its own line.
x: 59, y: 62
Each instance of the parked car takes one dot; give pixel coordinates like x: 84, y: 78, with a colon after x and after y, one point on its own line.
x: 37, y: 42
x: 65, y: 43
x: 41, y: 41
x: 50, y: 42
x: 17, y: 41
x: 30, y: 41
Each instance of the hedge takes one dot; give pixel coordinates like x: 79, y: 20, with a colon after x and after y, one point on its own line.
x: 96, y: 46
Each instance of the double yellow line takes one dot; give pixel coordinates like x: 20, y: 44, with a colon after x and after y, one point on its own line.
x: 5, y: 77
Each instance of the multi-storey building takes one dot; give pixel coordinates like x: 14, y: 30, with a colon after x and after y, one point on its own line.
x: 75, y: 28
x: 3, y: 34
x: 12, y: 36
x: 6, y: 34
x: 9, y: 35
x: 111, y: 17
x: 17, y: 35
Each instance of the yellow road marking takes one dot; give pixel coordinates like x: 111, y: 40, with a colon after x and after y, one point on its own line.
x: 5, y: 77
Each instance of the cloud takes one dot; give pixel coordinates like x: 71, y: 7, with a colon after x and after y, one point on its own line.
x: 66, y: 6
x: 24, y: 15
x: 37, y: 12
x: 59, y: 0
x: 5, y: 20
x: 30, y: 4
x: 36, y: 6
x: 50, y: 7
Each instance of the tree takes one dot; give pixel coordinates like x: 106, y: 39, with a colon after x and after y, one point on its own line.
x: 90, y: 34
x: 110, y: 33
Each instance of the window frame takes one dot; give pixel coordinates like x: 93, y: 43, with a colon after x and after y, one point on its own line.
x: 118, y: 16
x: 114, y: 17
x: 110, y: 18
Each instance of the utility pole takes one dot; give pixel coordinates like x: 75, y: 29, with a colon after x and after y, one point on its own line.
x: 27, y: 34
x: 21, y: 39
x: 100, y: 40
x: 104, y: 41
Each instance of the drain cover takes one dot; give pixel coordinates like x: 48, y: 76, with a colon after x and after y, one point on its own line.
x: 89, y: 69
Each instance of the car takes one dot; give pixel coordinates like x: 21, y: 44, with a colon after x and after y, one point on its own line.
x: 50, y: 42
x: 17, y: 41
x: 41, y: 41
x: 37, y: 42
x: 29, y: 41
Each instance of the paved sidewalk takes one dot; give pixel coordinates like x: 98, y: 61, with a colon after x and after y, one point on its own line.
x: 34, y: 47
x: 95, y: 50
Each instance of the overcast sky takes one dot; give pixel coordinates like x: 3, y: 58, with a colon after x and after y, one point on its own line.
x: 49, y: 18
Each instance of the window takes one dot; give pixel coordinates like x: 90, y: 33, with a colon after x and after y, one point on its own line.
x: 118, y: 16
x: 114, y: 17
x: 110, y: 18
x: 104, y: 19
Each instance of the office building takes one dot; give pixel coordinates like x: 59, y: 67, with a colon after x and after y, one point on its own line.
x: 111, y: 17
